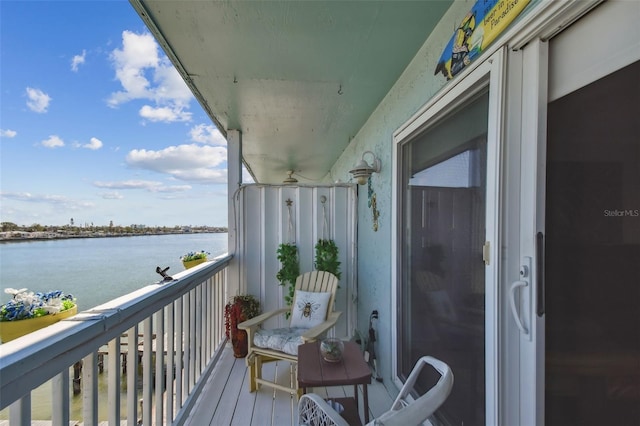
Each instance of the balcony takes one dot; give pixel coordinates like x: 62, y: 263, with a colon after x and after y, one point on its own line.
x: 225, y: 399
x: 208, y: 385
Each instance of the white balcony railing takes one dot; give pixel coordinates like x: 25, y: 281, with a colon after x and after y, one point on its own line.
x: 174, y: 330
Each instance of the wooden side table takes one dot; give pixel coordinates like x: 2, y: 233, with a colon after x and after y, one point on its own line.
x: 313, y: 371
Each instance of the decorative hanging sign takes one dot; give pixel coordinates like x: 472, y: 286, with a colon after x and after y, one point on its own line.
x: 291, y: 229
x: 484, y: 22
x: 373, y: 204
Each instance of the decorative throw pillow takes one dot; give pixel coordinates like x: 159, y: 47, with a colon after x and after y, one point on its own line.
x: 309, y: 309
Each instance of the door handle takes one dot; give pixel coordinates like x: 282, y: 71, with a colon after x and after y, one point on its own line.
x: 540, y: 307
x: 514, y: 310
x: 524, y: 284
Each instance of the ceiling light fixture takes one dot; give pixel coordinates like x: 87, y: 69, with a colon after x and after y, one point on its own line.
x: 290, y: 178
x: 363, y: 170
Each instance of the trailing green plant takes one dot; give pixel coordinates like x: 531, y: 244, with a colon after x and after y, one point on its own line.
x: 290, y: 269
x: 327, y: 257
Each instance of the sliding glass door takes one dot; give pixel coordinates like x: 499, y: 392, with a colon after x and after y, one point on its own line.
x: 445, y: 279
x: 593, y: 254
x: 582, y: 365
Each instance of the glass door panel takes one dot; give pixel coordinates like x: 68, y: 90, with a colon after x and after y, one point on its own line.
x: 593, y: 254
x: 443, y: 273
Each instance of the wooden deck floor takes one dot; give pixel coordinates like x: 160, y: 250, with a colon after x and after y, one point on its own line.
x: 226, y: 399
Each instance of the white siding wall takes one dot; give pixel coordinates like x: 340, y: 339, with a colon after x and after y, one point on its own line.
x: 262, y: 212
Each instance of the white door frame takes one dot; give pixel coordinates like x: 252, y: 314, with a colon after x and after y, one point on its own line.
x: 488, y: 73
x: 532, y: 215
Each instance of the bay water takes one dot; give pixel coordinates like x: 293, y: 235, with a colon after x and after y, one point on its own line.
x: 94, y: 271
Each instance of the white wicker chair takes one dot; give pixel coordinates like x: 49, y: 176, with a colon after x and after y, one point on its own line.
x: 314, y: 411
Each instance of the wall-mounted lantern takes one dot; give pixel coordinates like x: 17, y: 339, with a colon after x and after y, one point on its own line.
x: 362, y: 171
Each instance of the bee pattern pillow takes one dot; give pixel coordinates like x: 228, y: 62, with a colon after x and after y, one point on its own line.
x: 309, y: 309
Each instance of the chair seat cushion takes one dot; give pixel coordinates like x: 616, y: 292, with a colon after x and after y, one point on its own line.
x: 284, y: 340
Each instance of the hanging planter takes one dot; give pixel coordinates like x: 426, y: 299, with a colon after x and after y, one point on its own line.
x: 326, y: 249
x: 327, y: 257
x: 288, y: 257
x: 288, y: 273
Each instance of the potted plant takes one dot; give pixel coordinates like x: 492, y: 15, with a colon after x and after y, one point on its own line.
x: 327, y: 257
x: 289, y: 271
x: 194, y: 258
x: 238, y: 309
x: 27, y: 311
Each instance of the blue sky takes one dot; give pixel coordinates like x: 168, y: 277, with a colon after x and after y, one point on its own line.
x: 96, y: 125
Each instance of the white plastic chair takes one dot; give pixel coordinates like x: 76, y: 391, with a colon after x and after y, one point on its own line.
x: 314, y: 411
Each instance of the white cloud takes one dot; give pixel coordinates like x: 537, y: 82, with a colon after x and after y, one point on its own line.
x: 173, y: 188
x: 128, y: 184
x: 171, y: 87
x: 38, y: 100
x: 57, y: 200
x: 147, y: 185
x: 207, y: 134
x: 202, y: 175
x: 78, y: 60
x: 94, y: 144
x: 246, y: 176
x: 144, y: 74
x: 165, y: 114
x: 53, y: 141
x: 139, y: 51
x: 185, y: 162
x: 115, y: 195
x: 8, y: 133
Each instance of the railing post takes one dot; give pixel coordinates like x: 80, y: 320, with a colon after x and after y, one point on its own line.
x: 170, y: 361
x: 199, y: 333
x: 192, y: 340
x: 20, y: 412
x: 147, y: 371
x: 160, y: 377
x: 234, y: 181
x: 132, y: 376
x: 179, y: 352
x: 60, y: 399
x: 90, y: 389
x: 113, y: 372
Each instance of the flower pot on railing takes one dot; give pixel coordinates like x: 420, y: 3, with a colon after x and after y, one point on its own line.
x: 192, y: 259
x: 28, y: 311
x: 10, y: 330
x: 191, y: 263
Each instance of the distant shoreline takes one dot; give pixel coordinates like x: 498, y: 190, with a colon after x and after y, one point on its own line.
x: 21, y: 236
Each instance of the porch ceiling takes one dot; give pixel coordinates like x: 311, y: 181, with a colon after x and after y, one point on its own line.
x: 298, y: 78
